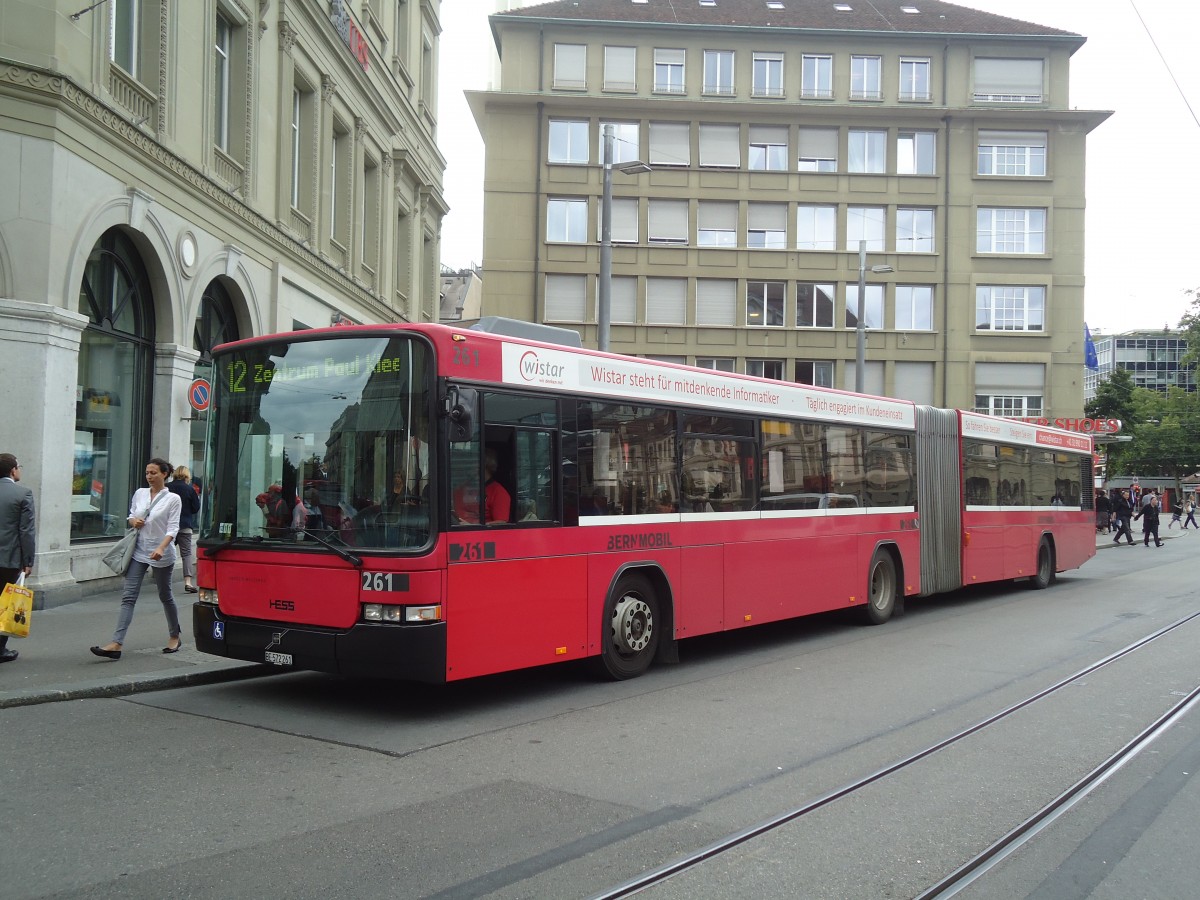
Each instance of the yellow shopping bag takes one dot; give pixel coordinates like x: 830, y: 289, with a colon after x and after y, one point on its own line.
x: 16, y: 608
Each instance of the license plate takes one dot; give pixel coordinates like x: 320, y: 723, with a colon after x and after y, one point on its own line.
x: 279, y: 659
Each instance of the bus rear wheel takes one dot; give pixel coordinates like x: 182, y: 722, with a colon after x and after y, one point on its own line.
x: 631, y: 629
x: 881, y: 588
x: 1044, y: 576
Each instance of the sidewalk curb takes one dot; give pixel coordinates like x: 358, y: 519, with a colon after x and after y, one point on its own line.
x: 138, y: 684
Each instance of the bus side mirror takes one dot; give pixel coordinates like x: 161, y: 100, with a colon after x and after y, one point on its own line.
x: 460, y: 410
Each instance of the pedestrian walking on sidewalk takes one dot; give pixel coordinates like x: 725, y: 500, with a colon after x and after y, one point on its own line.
x: 1149, y: 516
x: 17, y: 533
x: 189, y: 501
x: 1176, y: 515
x: 1191, y: 515
x: 1122, y: 510
x: 154, y: 512
x: 1103, y: 513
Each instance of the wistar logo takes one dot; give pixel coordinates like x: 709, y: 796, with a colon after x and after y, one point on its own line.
x: 533, y: 369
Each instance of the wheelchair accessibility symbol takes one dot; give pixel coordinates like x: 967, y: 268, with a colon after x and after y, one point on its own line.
x: 218, y: 631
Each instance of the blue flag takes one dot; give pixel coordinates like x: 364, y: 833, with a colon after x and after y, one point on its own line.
x: 1089, y: 349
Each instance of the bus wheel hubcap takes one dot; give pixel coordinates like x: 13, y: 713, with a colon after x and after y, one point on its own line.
x: 632, y: 625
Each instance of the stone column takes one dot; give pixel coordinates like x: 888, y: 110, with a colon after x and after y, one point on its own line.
x: 37, y: 406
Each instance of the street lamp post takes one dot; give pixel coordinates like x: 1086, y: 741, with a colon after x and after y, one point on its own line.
x: 861, y: 331
x: 604, y: 300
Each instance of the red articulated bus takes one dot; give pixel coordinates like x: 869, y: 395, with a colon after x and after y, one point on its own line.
x: 435, y: 503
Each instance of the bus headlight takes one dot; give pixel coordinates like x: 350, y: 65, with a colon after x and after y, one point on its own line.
x: 383, y: 612
x: 207, y: 596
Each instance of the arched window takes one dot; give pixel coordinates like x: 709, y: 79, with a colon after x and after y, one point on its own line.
x: 216, y: 323
x: 113, y: 387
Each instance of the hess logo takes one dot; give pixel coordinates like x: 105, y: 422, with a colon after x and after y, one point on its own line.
x: 289, y: 605
x: 533, y: 368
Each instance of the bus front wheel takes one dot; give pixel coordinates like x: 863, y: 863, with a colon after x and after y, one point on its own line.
x: 881, y: 588
x: 631, y: 629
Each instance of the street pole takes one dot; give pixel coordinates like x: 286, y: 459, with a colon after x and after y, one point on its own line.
x: 604, y: 303
x: 860, y: 364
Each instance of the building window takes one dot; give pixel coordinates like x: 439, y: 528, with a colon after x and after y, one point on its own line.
x: 428, y: 70
x: 872, y: 308
x: 1008, y: 80
x: 914, y: 307
x: 767, y: 75
x: 816, y: 77
x: 370, y: 214
x: 765, y: 368
x: 1010, y: 230
x: 565, y: 298
x: 667, y: 221
x: 816, y: 227
x: 865, y: 223
x: 124, y: 28
x: 764, y: 304
x: 668, y: 71
x: 914, y: 230
x: 766, y: 226
x: 624, y: 225
x: 720, y: 146
x: 716, y: 301
x: 916, y: 153
x: 221, y: 47
x: 570, y: 66
x: 297, y: 129
x: 340, y: 200
x: 867, y: 151
x: 622, y: 300
x: 670, y: 143
x: 627, y: 142
x: 914, y: 79
x: 569, y: 141
x: 113, y: 387
x: 666, y: 301
x: 716, y: 223
x: 1010, y: 308
x: 865, y: 78
x: 620, y: 68
x: 817, y: 372
x: 814, y: 305
x: 818, y: 149
x: 768, y: 148
x: 1010, y: 406
x: 717, y: 363
x: 1012, y: 153
x: 718, y: 72
x: 566, y: 220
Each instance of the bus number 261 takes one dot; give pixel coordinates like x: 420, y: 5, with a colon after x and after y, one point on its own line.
x: 377, y: 581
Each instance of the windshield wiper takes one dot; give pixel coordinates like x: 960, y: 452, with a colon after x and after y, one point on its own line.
x: 344, y: 554
x: 211, y: 551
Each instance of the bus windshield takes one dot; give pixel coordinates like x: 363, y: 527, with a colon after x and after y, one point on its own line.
x: 321, y: 440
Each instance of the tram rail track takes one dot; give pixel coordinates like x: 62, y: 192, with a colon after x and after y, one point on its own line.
x: 979, y: 864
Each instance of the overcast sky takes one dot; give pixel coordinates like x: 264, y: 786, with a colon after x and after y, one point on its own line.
x: 1142, y: 204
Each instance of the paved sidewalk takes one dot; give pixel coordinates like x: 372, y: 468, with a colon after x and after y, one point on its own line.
x: 55, y: 663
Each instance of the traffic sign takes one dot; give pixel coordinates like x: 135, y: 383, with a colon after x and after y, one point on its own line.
x: 199, y: 394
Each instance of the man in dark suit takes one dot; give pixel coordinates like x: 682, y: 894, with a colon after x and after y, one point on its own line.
x: 17, y: 532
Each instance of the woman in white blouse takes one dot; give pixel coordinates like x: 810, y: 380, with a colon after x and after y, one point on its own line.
x: 154, y: 512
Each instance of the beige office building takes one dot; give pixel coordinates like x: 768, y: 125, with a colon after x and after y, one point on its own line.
x: 178, y: 174
x: 781, y: 134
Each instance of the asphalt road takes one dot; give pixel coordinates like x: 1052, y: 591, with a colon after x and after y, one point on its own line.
x: 549, y: 784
